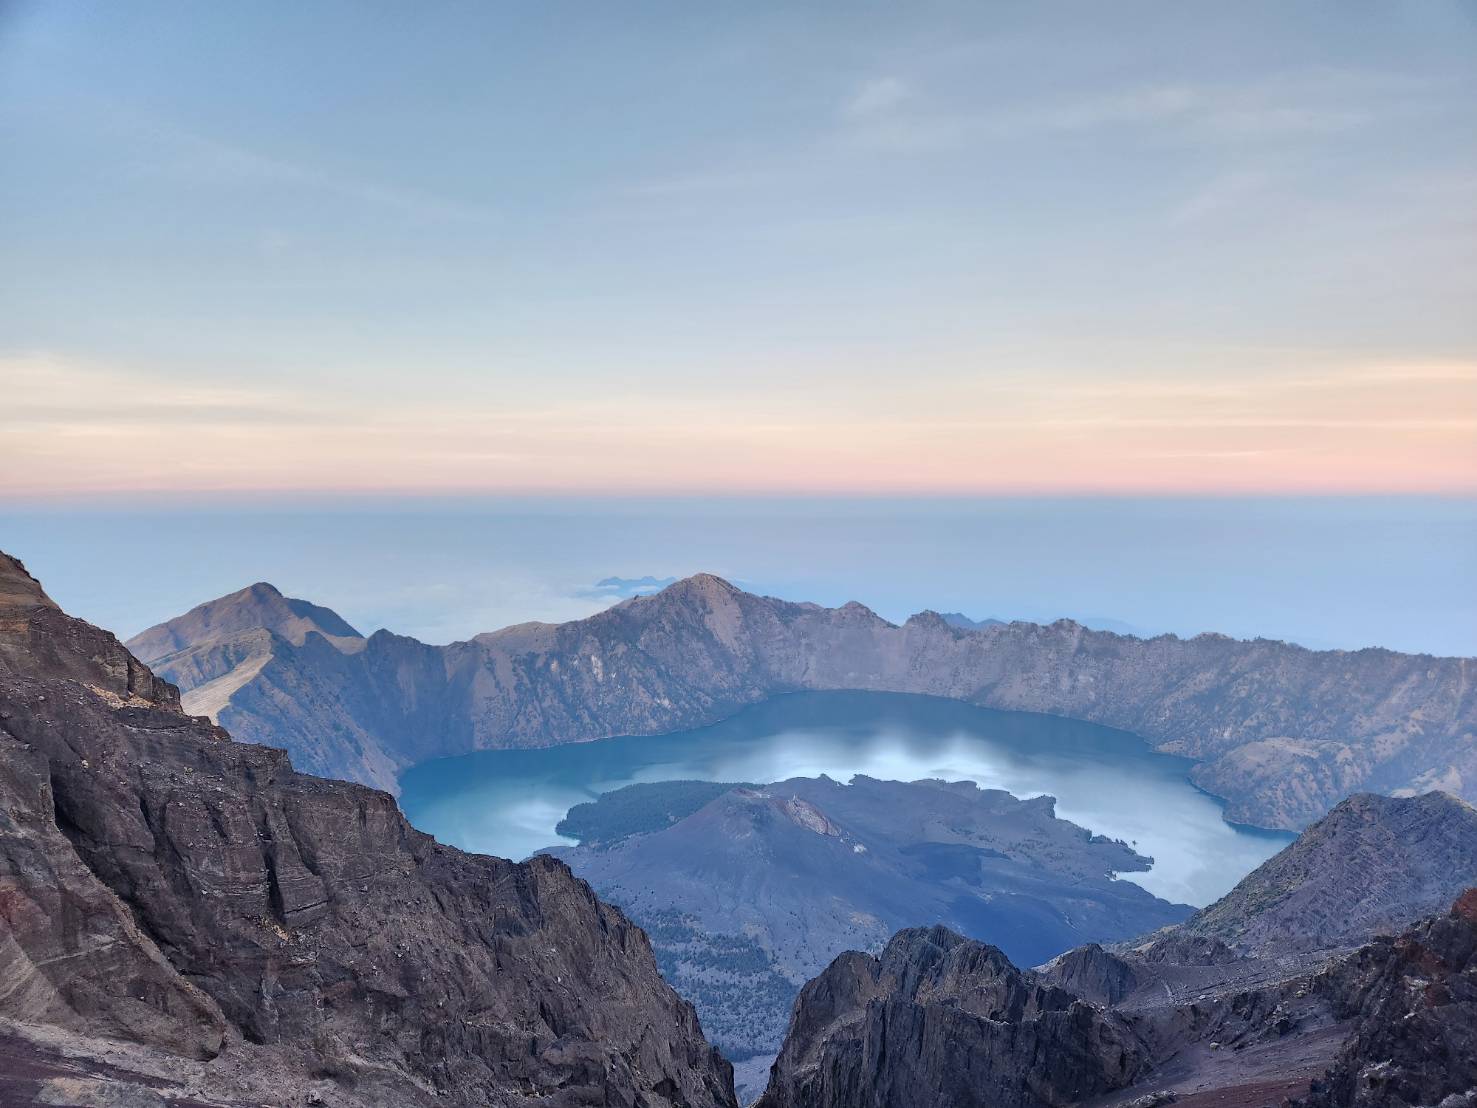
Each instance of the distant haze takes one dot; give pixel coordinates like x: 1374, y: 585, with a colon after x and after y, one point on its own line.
x: 1345, y: 572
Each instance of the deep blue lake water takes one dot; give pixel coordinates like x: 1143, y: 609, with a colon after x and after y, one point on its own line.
x: 508, y: 802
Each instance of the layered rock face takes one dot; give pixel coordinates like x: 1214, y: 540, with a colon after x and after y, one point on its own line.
x: 939, y: 1019
x: 38, y: 637
x: 162, y: 885
x: 1283, y: 733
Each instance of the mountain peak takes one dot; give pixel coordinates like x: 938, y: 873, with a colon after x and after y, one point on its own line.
x: 18, y: 589
x: 965, y: 623
x: 861, y: 1025
x: 1373, y: 863
x: 708, y: 585
x: 38, y: 639
x: 711, y: 581
x: 260, y: 606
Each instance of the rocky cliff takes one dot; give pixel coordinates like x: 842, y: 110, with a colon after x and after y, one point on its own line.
x: 939, y: 1019
x: 195, y: 909
x: 1413, y: 1002
x: 1282, y: 732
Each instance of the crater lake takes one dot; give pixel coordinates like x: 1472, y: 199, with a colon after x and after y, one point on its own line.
x: 509, y: 802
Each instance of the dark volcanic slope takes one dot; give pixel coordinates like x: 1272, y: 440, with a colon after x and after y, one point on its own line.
x: 1282, y: 732
x: 274, y: 932
x: 1373, y: 864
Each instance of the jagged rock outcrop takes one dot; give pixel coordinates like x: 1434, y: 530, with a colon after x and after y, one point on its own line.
x: 37, y: 636
x: 1392, y: 1024
x: 164, y: 886
x: 940, y: 1019
x: 71, y: 954
x: 1094, y: 974
x: 1373, y: 864
x: 1282, y: 732
x: 1413, y: 1000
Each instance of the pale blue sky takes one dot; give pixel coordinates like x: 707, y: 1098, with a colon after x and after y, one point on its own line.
x: 1334, y: 571
x: 962, y: 247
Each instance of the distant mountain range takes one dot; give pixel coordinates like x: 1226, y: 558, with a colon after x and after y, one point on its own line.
x: 1094, y: 623
x: 1282, y: 733
x: 749, y: 891
x: 964, y: 623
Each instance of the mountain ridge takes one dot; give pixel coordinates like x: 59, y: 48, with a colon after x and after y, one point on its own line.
x: 1372, y: 864
x: 1279, y: 731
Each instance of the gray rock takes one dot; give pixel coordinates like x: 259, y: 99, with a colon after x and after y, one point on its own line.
x: 166, y: 886
x: 1389, y: 1024
x: 1414, y: 1004
x: 939, y: 1019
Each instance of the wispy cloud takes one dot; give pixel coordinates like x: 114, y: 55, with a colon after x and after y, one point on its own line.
x: 167, y: 150
x: 707, y: 182
x: 1220, y: 194
x: 77, y: 427
x: 54, y: 395
x: 889, y: 114
x: 876, y: 97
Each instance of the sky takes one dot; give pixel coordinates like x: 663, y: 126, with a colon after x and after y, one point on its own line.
x: 273, y: 249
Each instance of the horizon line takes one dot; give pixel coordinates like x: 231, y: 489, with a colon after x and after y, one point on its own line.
x: 207, y: 497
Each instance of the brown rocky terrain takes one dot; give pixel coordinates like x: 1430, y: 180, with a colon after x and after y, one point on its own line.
x: 1281, y: 732
x: 939, y: 1019
x: 943, y: 1020
x: 1255, y: 1000
x: 1413, y: 1001
x: 187, y: 919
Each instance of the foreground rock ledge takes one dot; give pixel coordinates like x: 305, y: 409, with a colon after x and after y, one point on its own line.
x: 286, y: 937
